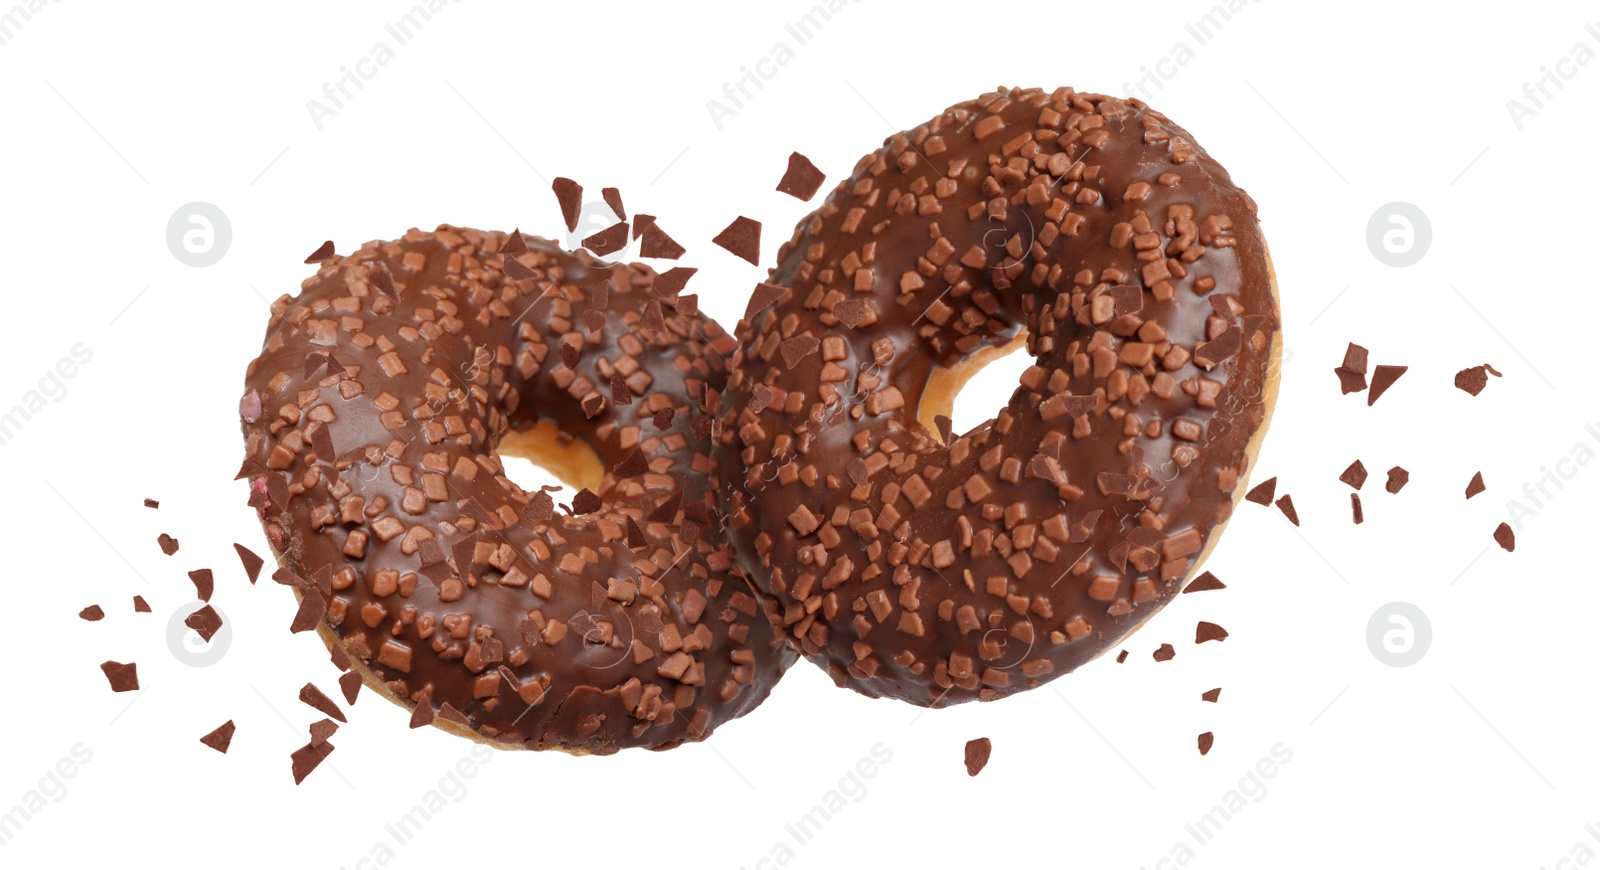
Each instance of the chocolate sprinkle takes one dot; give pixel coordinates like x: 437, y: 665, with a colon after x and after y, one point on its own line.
x: 1262, y: 493
x: 251, y: 562
x: 1205, y: 631
x: 1206, y: 582
x: 222, y: 737
x: 1286, y: 505
x: 123, y: 677
x: 655, y: 244
x: 92, y: 613
x: 322, y: 253
x: 1122, y: 657
x: 206, y: 622
x: 1211, y: 695
x: 152, y: 503
x: 1164, y: 653
x: 169, y: 544
x: 139, y: 604
x: 313, y: 697
x: 306, y: 758
x: 802, y: 179
x: 1383, y: 377
x: 1356, y: 514
x: 742, y: 238
x: 1505, y: 538
x: 1206, y: 740
x: 1473, y: 380
x: 1398, y: 478
x: 977, y: 755
x: 1355, y: 475
x: 203, y: 583
x: 569, y: 194
x: 1475, y: 485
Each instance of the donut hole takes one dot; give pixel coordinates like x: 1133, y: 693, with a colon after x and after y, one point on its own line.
x: 974, y: 390
x: 540, y: 456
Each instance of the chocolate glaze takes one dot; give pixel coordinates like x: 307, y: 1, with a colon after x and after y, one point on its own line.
x: 1039, y: 539
x: 379, y: 487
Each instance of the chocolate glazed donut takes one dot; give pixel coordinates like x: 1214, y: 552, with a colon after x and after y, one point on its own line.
x: 1097, y: 233
x: 373, y: 421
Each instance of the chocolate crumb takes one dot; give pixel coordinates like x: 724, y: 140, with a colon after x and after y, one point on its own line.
x: 1205, y: 631
x: 802, y: 179
x: 152, y: 503
x: 1262, y: 493
x: 204, y: 585
x: 325, y: 252
x: 339, y: 657
x: 222, y: 737
x: 252, y: 563
x: 1122, y: 657
x: 1286, y: 505
x: 1505, y: 538
x: 92, y: 613
x: 663, y: 418
x: 585, y: 502
x: 1473, y: 380
x: 1355, y: 475
x: 742, y: 238
x: 314, y: 698
x: 169, y: 544
x: 306, y: 758
x: 1165, y: 653
x: 1355, y: 508
x: 123, y: 677
x: 977, y: 755
x: 140, y: 605
x: 321, y: 730
x: 1398, y: 478
x: 1211, y: 695
x: 1475, y: 485
x: 1383, y: 377
x: 569, y: 194
x: 206, y: 622
x: 1206, y: 740
x: 1206, y: 582
x: 350, y: 685
x: 657, y: 245
x: 422, y: 713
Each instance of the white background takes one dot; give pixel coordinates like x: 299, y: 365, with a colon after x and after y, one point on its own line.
x: 1480, y: 755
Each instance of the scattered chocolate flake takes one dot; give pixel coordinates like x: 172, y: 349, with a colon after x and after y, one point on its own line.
x: 515, y: 243
x: 312, y: 608
x: 540, y: 508
x: 667, y: 511
x: 1383, y: 377
x: 671, y: 282
x: 620, y: 394
x: 688, y: 304
x: 322, y: 253
x: 287, y: 577
x: 1122, y: 657
x: 1505, y: 538
x: 92, y: 613
x: 203, y: 583
x: 123, y: 677
x: 760, y: 398
x: 765, y: 294
x: 252, y: 563
x: 152, y: 503
x: 652, y: 318
x: 451, y: 714
x: 205, y: 622
x: 663, y: 418
x: 314, y: 698
x: 593, y: 405
x: 609, y: 240
x: 1164, y: 653
x: 1205, y: 631
x: 339, y: 657
x: 1475, y: 485
x: 585, y: 502
x: 594, y: 320
x: 250, y: 468
x: 350, y: 685
x: 1398, y: 478
x: 1211, y: 695
x: 516, y: 269
x: 569, y: 194
x: 851, y: 312
x: 140, y: 605
x: 798, y: 348
x: 1355, y: 359
x: 742, y: 238
x: 1262, y: 492
x: 569, y: 355
x: 1350, y: 382
x: 636, y: 539
x: 1206, y: 740
x: 977, y: 755
x: 306, y: 758
x: 222, y: 737
x: 1473, y: 380
x: 1355, y: 475
x: 1355, y: 509
x: 1128, y: 299
x: 380, y: 278
x: 321, y: 730
x: 657, y: 245
x: 802, y: 179
x: 422, y: 713
x: 634, y: 466
x: 943, y: 424
x: 701, y: 427
x: 1286, y: 505
x: 1206, y: 582
x: 169, y: 544
x: 613, y: 198
x: 642, y: 222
